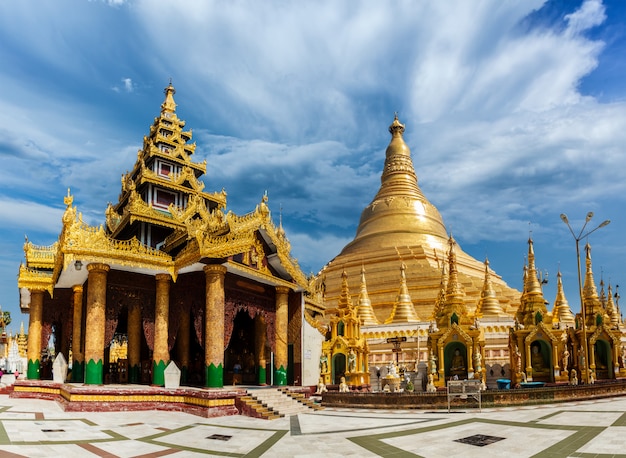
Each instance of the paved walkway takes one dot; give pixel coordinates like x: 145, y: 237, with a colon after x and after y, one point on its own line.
x: 37, y: 428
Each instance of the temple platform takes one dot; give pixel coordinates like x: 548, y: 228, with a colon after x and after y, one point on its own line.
x: 536, y: 395
x: 78, y: 397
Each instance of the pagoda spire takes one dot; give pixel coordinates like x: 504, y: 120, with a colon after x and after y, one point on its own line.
x: 610, y: 308
x: 561, y: 310
x: 168, y: 105
x: 532, y: 303
x: 454, y: 301
x: 345, y: 301
x: 441, y: 297
x: 593, y: 305
x: 488, y: 305
x: 403, y: 309
x: 365, y: 312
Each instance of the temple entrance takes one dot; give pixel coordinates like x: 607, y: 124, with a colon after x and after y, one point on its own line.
x: 115, y: 369
x: 541, y: 361
x: 455, y: 361
x: 603, y: 360
x: 239, y: 357
x: 339, y: 367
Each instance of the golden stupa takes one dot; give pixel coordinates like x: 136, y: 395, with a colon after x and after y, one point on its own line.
x: 400, y: 227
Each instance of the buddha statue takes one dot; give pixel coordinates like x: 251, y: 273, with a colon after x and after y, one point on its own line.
x: 457, y: 366
x: 321, y: 387
x: 343, y: 386
x: 537, y: 362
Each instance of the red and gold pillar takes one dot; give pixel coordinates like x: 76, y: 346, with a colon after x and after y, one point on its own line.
x: 34, y: 335
x: 214, y: 326
x: 281, y: 323
x: 161, y: 354
x: 134, y: 342
x: 182, y: 344
x: 78, y: 349
x: 95, y: 323
x: 260, y: 337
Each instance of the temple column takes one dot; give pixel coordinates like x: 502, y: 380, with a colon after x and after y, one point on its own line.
x: 134, y: 342
x: 182, y: 341
x: 34, y: 335
x: 592, y: 357
x: 260, y: 338
x: 95, y: 322
x: 214, y: 326
x: 442, y: 368
x: 78, y: 350
x: 281, y: 323
x: 161, y: 354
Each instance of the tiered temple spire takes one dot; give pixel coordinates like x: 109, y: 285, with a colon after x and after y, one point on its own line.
x: 403, y: 309
x: 593, y: 306
x: 454, y: 309
x: 364, y: 307
x: 561, y: 311
x: 488, y: 305
x: 533, y: 304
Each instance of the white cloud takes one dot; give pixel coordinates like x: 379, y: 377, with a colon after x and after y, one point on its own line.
x: 30, y: 216
x: 590, y: 14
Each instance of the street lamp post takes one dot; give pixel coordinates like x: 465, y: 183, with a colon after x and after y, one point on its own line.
x: 578, y: 238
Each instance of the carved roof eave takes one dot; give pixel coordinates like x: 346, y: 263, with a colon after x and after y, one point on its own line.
x: 283, y: 250
x: 615, y: 336
x: 541, y: 327
x: 91, y: 244
x: 454, y: 328
x: 242, y: 236
x: 260, y: 275
x: 320, y: 327
x: 313, y: 305
x: 35, y: 280
x: 40, y: 257
x: 178, y: 155
x: 188, y: 255
x: 386, y: 334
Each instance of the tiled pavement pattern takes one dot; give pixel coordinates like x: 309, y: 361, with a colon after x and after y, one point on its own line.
x: 37, y: 428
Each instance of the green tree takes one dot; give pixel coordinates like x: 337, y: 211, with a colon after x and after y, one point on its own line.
x: 6, y: 319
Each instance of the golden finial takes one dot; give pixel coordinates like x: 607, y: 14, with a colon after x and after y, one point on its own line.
x: 396, y: 127
x: 69, y: 199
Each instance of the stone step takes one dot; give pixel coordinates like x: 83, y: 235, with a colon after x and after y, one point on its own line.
x: 281, y: 402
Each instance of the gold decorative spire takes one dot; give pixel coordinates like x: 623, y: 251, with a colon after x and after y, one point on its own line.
x: 403, y: 309
x: 532, y: 301
x: 399, y: 207
x: 454, y: 301
x: 561, y: 310
x: 488, y: 305
x: 441, y: 297
x: 590, y: 292
x: 603, y: 310
x: 168, y: 105
x: 610, y: 308
x: 345, y: 301
x: 364, y: 307
x: 532, y: 284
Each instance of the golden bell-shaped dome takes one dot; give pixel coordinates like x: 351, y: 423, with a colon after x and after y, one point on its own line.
x: 399, y: 203
x: 401, y: 225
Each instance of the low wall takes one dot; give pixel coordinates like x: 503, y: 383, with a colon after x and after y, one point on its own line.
x: 490, y: 398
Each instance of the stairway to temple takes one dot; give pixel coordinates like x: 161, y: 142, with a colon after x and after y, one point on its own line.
x: 273, y: 403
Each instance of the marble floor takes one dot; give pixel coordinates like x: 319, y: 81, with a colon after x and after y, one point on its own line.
x: 38, y: 428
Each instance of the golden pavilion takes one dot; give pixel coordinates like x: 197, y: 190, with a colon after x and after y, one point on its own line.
x: 171, y: 276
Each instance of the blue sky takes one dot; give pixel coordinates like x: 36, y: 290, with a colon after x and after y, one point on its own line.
x: 515, y: 112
